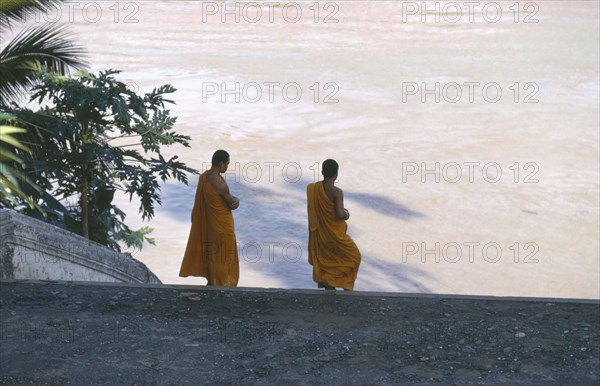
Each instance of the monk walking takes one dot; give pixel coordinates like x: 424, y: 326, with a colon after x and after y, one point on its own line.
x: 212, y: 247
x: 332, y: 253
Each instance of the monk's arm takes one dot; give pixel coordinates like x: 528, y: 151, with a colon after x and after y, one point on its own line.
x: 235, y: 204
x: 222, y: 188
x: 232, y: 201
x: 340, y: 212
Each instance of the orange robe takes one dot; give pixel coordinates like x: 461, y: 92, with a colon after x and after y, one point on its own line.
x: 212, y: 247
x: 332, y: 253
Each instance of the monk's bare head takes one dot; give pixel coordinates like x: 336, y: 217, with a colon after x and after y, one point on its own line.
x: 329, y: 169
x: 220, y: 160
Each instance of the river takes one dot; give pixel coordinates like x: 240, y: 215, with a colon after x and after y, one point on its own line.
x: 467, y: 135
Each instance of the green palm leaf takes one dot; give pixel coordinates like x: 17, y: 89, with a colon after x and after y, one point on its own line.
x: 5, y: 136
x: 21, y: 10
x: 47, y: 45
x: 9, y: 176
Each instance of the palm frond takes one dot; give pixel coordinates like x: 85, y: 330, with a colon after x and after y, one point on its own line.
x: 5, y: 136
x: 9, y: 176
x: 21, y: 10
x: 48, y: 45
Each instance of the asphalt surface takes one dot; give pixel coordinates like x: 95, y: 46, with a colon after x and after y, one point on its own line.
x: 87, y: 334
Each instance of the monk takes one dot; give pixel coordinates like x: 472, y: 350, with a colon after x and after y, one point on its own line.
x: 332, y: 253
x: 212, y: 247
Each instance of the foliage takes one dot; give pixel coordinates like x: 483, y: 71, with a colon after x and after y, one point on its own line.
x: 49, y: 45
x: 93, y: 137
x: 11, y: 165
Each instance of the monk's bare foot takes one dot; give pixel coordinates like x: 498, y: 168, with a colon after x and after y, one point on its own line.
x: 322, y: 284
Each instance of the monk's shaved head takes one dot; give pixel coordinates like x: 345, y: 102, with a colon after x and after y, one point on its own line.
x: 329, y: 168
x: 220, y: 156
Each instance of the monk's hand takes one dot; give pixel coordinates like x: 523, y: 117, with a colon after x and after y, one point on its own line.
x: 347, y: 213
x: 235, y: 203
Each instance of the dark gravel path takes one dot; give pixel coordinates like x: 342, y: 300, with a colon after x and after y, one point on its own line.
x: 75, y: 334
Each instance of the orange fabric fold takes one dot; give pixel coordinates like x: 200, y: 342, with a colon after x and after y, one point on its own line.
x: 332, y: 253
x: 211, y: 250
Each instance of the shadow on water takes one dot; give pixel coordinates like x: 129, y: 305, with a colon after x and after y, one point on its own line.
x: 383, y: 205
x: 178, y: 199
x: 376, y: 202
x: 271, y: 229
x: 379, y: 275
x: 273, y: 233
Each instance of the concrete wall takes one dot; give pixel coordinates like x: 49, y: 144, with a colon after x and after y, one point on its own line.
x: 32, y: 249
